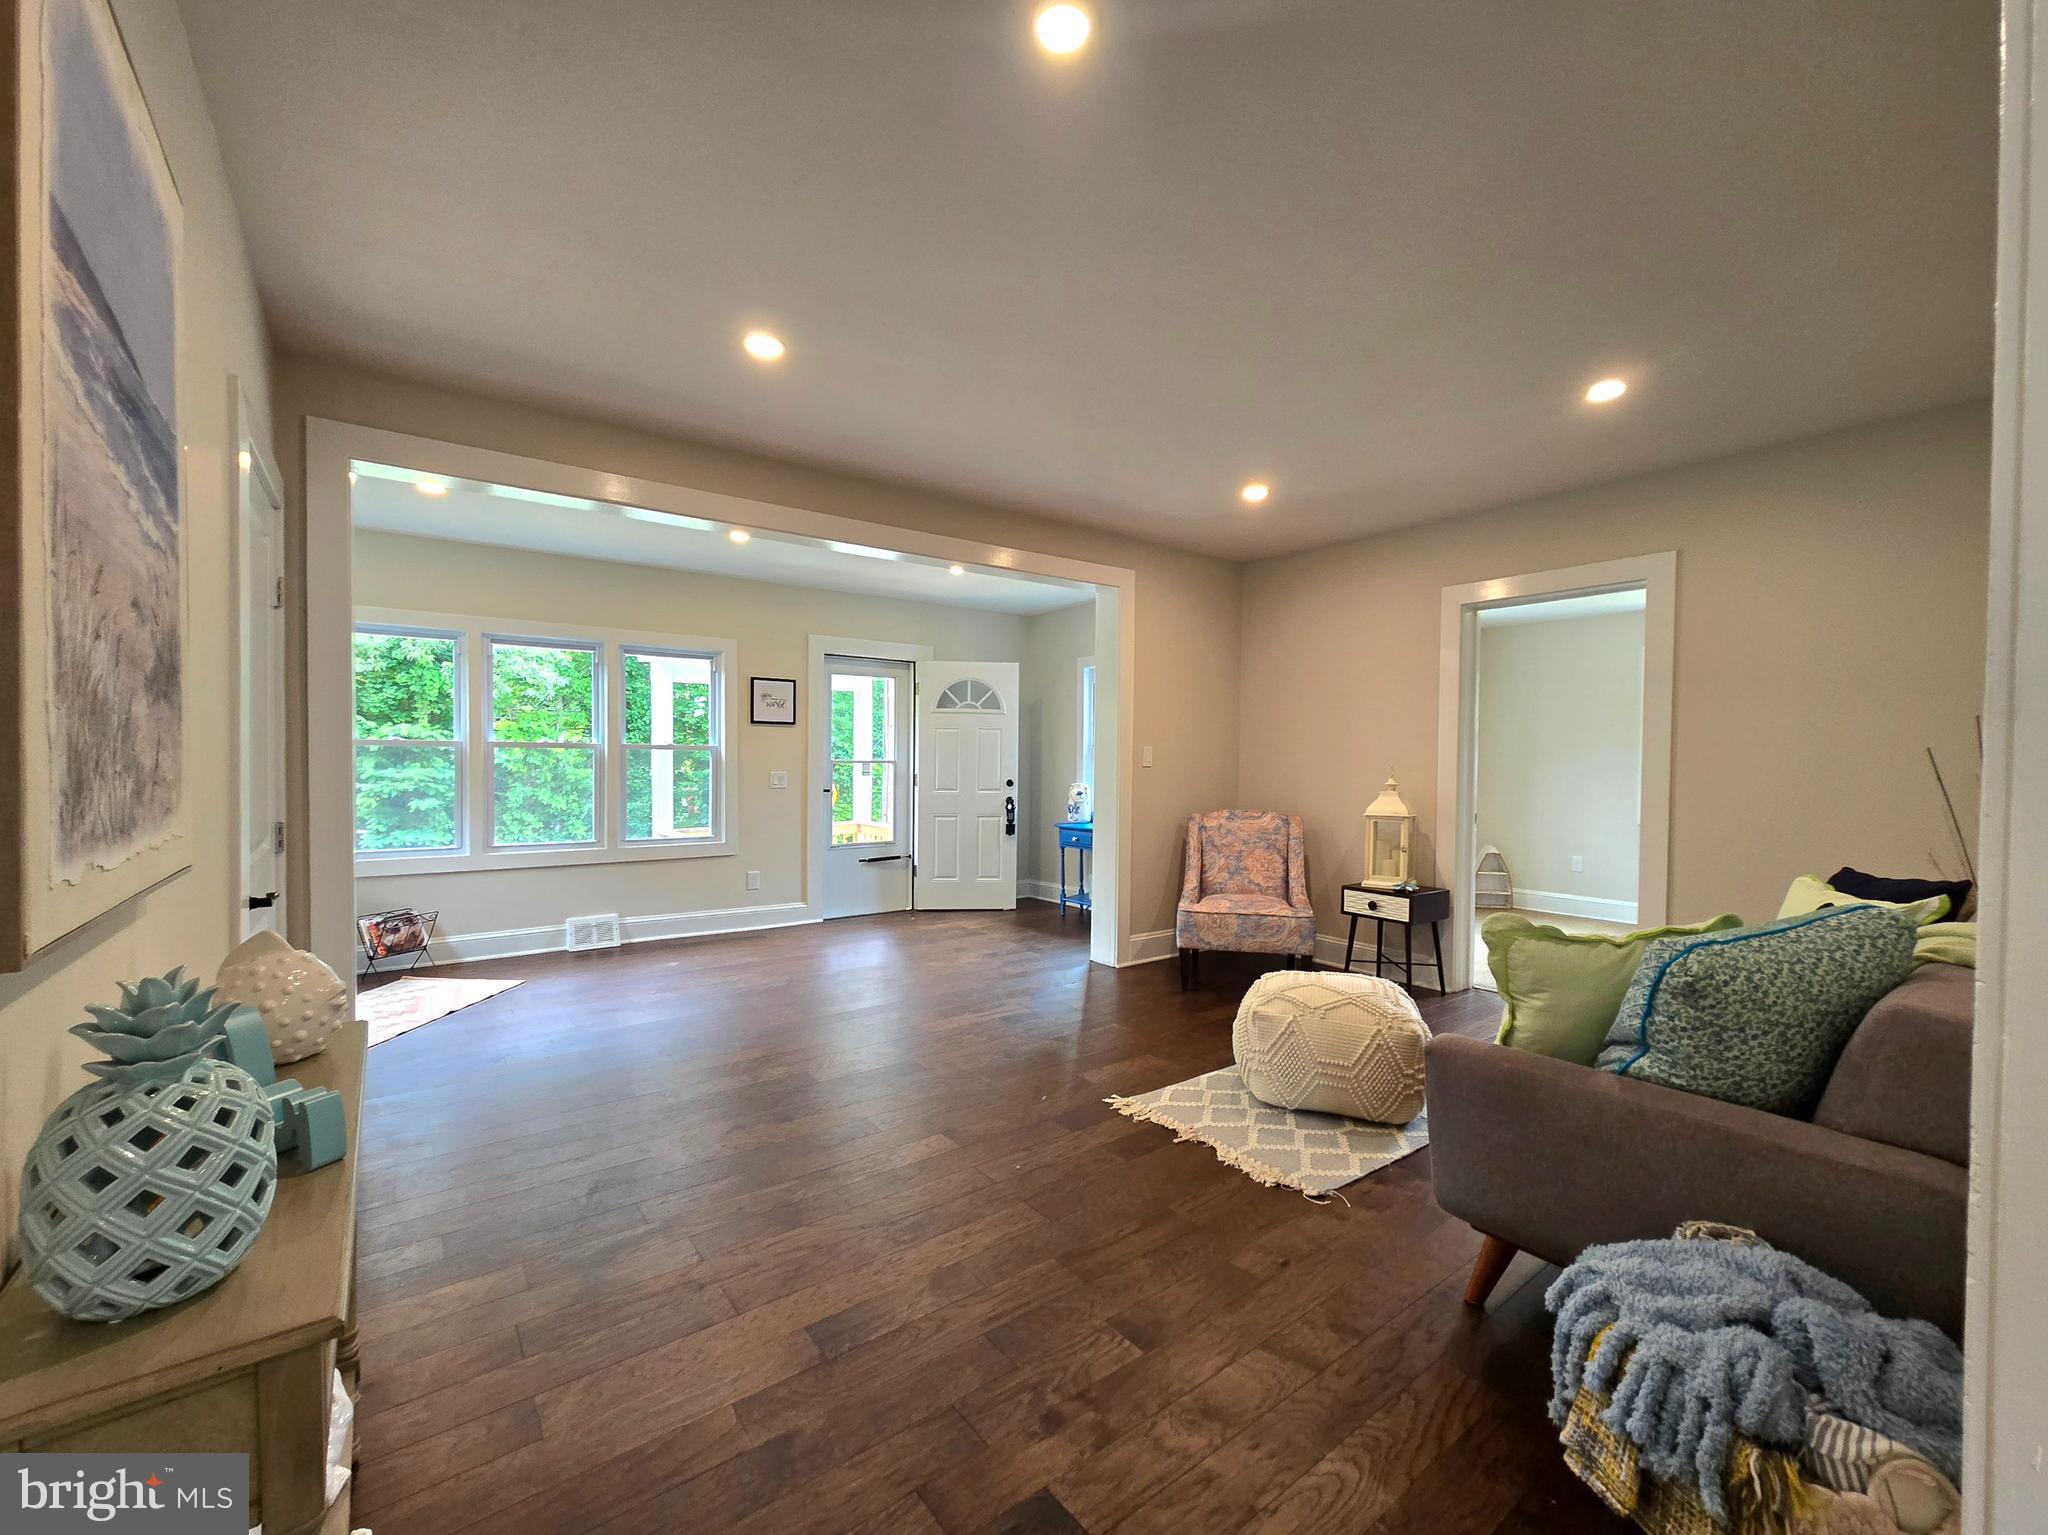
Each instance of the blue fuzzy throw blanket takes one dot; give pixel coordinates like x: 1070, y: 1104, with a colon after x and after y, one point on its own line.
x: 1711, y: 1340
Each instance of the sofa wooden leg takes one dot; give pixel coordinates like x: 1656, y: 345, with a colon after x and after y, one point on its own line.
x: 1494, y: 1258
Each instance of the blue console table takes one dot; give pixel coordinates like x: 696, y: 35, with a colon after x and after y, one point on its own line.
x: 1080, y: 836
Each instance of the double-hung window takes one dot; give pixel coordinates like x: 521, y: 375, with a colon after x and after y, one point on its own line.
x: 409, y: 740
x: 544, y: 744
x: 669, y: 739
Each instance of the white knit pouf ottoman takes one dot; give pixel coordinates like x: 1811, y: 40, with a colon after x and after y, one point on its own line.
x: 1333, y: 1044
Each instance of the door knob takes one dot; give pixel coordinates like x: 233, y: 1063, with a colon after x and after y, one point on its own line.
x: 262, y: 902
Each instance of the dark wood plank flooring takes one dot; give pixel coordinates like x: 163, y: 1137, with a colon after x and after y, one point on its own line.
x: 829, y: 1229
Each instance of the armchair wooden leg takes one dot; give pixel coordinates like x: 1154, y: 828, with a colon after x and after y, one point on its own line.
x: 1494, y: 1258
x: 1186, y: 956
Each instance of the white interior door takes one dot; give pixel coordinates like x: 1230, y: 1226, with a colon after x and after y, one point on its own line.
x: 262, y: 698
x: 967, y: 788
x: 868, y: 847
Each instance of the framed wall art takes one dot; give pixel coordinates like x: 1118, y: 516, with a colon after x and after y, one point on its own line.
x: 774, y: 701
x: 92, y: 549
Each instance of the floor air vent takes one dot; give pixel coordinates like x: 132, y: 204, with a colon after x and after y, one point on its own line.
x: 592, y: 932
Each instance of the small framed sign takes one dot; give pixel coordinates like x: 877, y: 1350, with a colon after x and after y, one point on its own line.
x: 774, y: 701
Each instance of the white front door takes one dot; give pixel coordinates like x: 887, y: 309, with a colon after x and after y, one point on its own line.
x: 967, y: 786
x: 867, y: 857
x: 262, y: 698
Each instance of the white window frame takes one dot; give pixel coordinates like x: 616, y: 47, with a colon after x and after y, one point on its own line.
x: 379, y: 861
x: 721, y: 690
x: 473, y: 635
x: 596, y: 747
x: 903, y: 737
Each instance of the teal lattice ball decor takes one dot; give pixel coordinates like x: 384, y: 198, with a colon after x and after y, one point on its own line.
x: 150, y: 1184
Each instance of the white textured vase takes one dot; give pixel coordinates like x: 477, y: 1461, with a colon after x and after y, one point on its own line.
x: 302, y: 1001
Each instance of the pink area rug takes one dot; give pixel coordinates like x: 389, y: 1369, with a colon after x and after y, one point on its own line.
x: 398, y: 1006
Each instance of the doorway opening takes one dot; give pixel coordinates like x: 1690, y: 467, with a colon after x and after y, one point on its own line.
x: 870, y: 729
x: 1557, y: 763
x: 1554, y: 753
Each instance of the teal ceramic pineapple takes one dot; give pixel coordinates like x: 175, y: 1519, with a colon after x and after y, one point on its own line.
x: 148, y: 1186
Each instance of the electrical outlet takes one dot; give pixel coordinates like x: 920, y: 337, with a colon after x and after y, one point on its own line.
x: 1148, y: 758
x: 1578, y: 863
x: 753, y: 879
x: 778, y: 780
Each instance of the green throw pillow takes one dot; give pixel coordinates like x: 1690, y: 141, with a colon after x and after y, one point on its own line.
x: 1757, y: 1015
x: 1561, y: 989
x: 1810, y: 894
x: 1947, y: 943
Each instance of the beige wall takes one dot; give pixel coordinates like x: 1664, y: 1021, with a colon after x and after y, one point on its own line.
x: 1053, y: 646
x: 771, y: 625
x: 1560, y: 754
x: 1186, y: 660
x: 191, y: 920
x: 1830, y: 628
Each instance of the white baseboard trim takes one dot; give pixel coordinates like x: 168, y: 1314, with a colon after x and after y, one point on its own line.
x: 1150, y: 948
x: 507, y: 943
x: 1558, y: 904
x: 1037, y: 890
x: 1330, y: 951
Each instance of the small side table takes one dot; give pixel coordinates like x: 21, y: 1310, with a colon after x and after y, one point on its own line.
x: 1406, y: 909
x: 1080, y: 836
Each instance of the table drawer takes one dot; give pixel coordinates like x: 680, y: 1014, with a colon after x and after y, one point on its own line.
x: 1376, y: 903
x: 1075, y: 837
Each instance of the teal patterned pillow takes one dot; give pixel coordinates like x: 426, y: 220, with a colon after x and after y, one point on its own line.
x: 1757, y: 1015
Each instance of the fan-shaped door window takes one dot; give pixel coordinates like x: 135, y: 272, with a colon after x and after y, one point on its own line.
x: 968, y: 696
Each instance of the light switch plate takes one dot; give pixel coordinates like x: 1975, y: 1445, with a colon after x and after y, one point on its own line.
x: 753, y: 879
x: 778, y: 780
x: 1148, y: 757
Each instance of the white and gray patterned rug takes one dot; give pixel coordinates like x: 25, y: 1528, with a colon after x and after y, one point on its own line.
x: 1315, y: 1153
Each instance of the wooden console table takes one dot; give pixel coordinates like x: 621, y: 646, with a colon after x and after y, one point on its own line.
x: 246, y: 1368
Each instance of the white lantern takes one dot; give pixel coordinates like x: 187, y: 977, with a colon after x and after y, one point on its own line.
x: 1389, y: 828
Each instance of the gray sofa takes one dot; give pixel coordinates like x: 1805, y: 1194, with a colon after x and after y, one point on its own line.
x: 1550, y: 1157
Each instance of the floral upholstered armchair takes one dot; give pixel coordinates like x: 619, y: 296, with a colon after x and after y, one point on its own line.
x: 1246, y: 888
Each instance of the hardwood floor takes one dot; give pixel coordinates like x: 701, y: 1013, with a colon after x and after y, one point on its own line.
x: 829, y: 1229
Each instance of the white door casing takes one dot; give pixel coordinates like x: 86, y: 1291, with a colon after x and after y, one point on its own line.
x: 863, y: 878
x: 1457, y: 701
x: 967, y: 790
x: 261, y: 689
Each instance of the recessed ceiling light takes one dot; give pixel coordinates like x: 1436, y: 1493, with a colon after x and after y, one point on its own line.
x: 1255, y: 492
x: 433, y: 487
x: 739, y: 535
x: 1062, y: 29
x: 1607, y: 391
x: 762, y: 345
x: 244, y: 458
x: 958, y: 570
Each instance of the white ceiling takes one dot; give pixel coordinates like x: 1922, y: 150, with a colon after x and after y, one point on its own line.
x: 1592, y: 605
x: 1372, y: 252
x: 388, y: 500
